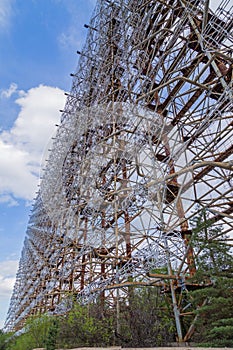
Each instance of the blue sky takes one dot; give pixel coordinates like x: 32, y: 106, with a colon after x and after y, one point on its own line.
x: 38, y: 44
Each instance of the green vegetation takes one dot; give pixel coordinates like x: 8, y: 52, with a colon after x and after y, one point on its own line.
x: 51, y: 336
x: 214, y: 326
x: 35, y: 335
x: 146, y: 319
x: 214, y: 305
x: 3, y: 340
x: 85, y: 326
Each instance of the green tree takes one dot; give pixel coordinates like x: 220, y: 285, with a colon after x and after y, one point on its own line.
x: 147, y: 320
x: 214, y: 298
x: 212, y: 253
x: 52, y: 335
x: 34, y: 334
x: 85, y: 325
x: 214, y: 326
x: 4, y: 337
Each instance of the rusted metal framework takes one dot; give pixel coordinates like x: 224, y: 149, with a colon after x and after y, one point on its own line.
x: 145, y: 142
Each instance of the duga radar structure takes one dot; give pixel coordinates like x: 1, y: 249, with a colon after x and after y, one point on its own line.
x: 145, y: 143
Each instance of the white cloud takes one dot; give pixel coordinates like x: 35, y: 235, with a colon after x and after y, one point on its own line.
x: 39, y: 113
x: 5, y: 12
x: 11, y: 202
x: 9, y: 92
x: 16, y: 173
x: 8, y: 271
x: 22, y: 147
x: 6, y: 286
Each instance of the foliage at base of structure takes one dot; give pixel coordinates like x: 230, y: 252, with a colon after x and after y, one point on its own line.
x: 214, y: 324
x: 85, y: 326
x: 51, y: 339
x: 213, y: 304
x: 147, y: 320
x: 144, y: 320
x: 34, y: 335
x: 4, y: 337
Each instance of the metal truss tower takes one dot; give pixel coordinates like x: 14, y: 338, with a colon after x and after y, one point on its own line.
x: 145, y: 143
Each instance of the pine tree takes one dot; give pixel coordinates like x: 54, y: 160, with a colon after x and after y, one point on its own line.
x: 214, y: 301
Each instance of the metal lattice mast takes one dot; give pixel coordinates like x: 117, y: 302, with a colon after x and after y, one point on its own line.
x: 145, y: 136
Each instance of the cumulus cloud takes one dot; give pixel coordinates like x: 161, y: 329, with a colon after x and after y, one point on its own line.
x: 8, y: 270
x: 22, y: 147
x: 16, y: 174
x: 39, y: 112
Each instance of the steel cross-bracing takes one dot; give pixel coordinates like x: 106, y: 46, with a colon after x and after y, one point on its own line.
x: 145, y: 143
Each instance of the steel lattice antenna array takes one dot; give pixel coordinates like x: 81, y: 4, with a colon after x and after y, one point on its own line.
x: 145, y: 137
